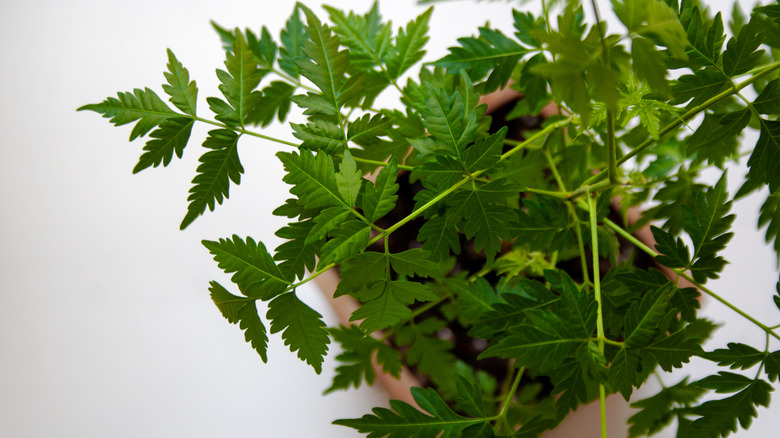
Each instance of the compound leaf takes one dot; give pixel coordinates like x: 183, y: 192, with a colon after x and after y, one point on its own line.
x: 171, y: 136
x: 143, y: 106
x: 254, y: 271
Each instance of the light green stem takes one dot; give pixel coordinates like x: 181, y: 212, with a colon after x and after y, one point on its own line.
x: 599, y: 312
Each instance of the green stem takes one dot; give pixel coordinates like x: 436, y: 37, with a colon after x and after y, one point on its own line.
x: 688, y: 115
x: 242, y: 131
x: 599, y: 311
x: 508, y: 399
x: 618, y: 229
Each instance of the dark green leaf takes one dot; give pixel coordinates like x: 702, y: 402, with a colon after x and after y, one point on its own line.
x: 327, y: 221
x: 217, y: 168
x: 275, y: 101
x: 449, y: 120
x: 768, y: 102
x: 379, y: 199
x: 439, y: 237
x: 715, y: 130
x: 293, y: 37
x: 719, y: 417
x: 171, y: 136
x: 414, y: 262
x: 763, y: 161
x: 296, y: 256
x: 244, y: 312
x: 320, y: 135
x: 357, y: 358
x: 673, y: 252
x: 350, y: 239
x: 736, y: 356
x: 238, y: 84
x: 302, y: 328
x: 658, y: 411
x: 313, y: 179
x: 404, y: 421
x: 254, y: 270
x: 741, y: 53
x: 430, y: 354
x: 699, y: 86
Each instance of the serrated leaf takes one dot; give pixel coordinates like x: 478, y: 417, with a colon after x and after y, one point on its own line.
x: 741, y: 53
x: 708, y: 223
x: 648, y: 64
x: 485, y: 152
x: 382, y: 311
x: 325, y: 222
x: 772, y: 366
x: 526, y: 26
x: 763, y: 161
x: 238, y: 84
x: 404, y: 421
x: 409, y: 45
x: 302, y: 328
x: 379, y: 199
x: 357, y: 358
x: 361, y: 272
x: 366, y: 130
x: 717, y: 129
x: 449, y: 120
x: 737, y: 355
x: 653, y: 18
x: 274, y: 101
x: 217, y: 168
x: 470, y: 398
x: 183, y: 92
x: 349, y: 179
x: 439, y: 237
x: 171, y: 136
x: 673, y: 252
x: 366, y: 37
x: 296, y: 255
x: 242, y: 311
x: 292, y: 37
x: 143, y: 106
x: 643, y: 318
x: 720, y: 417
x: 320, y: 135
x: 491, y: 52
x: 414, y: 262
x: 350, y: 239
x: 705, y: 36
x: 254, y: 271
x: 769, y: 217
x: 768, y: 102
x: 511, y: 308
x: 264, y: 48
x: 543, y: 225
x: 699, y: 86
x: 430, y: 354
x: 657, y: 411
x: 486, y: 220
x: 313, y: 178
x: 676, y: 349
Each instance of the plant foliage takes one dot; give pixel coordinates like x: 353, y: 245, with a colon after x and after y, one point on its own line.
x: 554, y: 302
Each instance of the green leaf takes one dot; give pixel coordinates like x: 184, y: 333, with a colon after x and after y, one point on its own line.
x: 449, y: 120
x: 741, y: 53
x: 350, y: 239
x: 699, y: 86
x: 644, y: 319
x: 430, y: 354
x: 366, y: 130
x: 763, y: 161
x: 302, y: 328
x: 242, y: 311
x: 673, y: 252
x: 768, y: 102
x: 718, y: 129
x: 217, y: 168
x: 439, y: 237
x: 357, y: 358
x: 238, y: 84
x: 772, y: 366
x: 705, y: 36
x: 325, y: 222
x: 527, y: 26
x: 708, y: 223
x: 485, y: 152
x: 379, y: 199
x: 414, y: 262
x: 677, y: 348
x: 263, y: 48
x: 543, y: 225
x: 366, y: 37
x: 409, y: 45
x: 171, y: 136
x: 324, y: 64
x: 293, y: 36
x: 737, y: 355
x: 274, y: 101
x: 770, y: 217
x: 141, y: 105
x: 349, y: 179
x: 386, y: 303
x: 361, y: 272
x: 320, y: 135
x: 183, y: 92
x: 486, y: 219
x: 658, y: 411
x: 510, y: 310
x: 719, y: 417
x: 491, y: 52
x: 404, y: 421
x: 648, y: 64
x: 313, y: 179
x: 297, y: 255
x: 254, y: 270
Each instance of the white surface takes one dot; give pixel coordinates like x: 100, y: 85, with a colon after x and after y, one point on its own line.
x: 106, y: 328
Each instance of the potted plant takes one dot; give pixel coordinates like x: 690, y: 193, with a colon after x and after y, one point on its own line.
x: 524, y: 246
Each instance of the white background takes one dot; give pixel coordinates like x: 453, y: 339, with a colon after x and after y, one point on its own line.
x: 106, y: 328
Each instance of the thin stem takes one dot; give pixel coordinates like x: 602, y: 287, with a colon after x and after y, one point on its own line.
x: 596, y: 272
x: 243, y: 131
x: 508, y: 399
x: 688, y: 115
